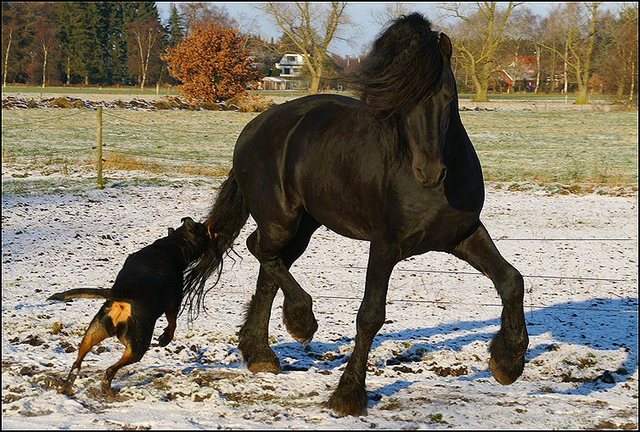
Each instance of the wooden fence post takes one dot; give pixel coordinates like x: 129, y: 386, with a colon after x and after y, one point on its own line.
x: 99, y: 146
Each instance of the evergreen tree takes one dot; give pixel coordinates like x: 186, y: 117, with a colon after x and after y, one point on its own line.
x: 100, y: 53
x: 118, y: 44
x: 175, y: 29
x: 14, y: 23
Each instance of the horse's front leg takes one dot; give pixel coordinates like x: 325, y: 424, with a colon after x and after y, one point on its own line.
x: 510, y: 344
x: 350, y: 397
x: 254, y: 334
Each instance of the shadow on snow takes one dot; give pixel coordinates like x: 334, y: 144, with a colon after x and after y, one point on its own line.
x: 601, y: 324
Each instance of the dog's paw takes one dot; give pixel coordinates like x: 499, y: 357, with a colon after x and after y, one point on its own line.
x: 66, y: 389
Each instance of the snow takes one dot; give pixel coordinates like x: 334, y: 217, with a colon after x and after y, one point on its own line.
x: 428, y: 365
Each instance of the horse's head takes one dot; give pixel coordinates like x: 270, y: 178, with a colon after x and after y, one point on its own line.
x: 407, y: 80
x: 427, y: 122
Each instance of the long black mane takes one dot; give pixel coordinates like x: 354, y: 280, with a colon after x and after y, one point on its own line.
x: 403, y: 68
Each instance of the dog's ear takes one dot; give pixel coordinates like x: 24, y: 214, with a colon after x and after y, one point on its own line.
x: 171, y: 230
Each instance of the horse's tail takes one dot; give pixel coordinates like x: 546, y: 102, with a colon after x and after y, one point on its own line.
x: 226, y: 218
x: 91, y: 293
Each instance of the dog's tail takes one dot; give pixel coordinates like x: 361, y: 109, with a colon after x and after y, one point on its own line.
x: 91, y: 293
x: 226, y: 218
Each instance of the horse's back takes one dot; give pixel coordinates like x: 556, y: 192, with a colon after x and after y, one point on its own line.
x: 281, y: 119
x: 299, y: 130
x: 315, y: 154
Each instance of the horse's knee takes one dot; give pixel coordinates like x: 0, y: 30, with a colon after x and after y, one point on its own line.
x: 370, y: 321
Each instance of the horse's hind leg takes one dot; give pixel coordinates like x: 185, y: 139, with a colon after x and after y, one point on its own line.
x: 254, y: 335
x: 270, y: 250
x: 510, y: 344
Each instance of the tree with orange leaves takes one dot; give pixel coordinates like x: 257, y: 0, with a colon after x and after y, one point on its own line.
x: 212, y: 63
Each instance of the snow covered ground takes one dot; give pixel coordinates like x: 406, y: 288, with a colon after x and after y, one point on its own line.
x: 428, y: 366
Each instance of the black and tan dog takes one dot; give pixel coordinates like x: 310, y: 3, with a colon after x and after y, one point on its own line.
x: 149, y: 284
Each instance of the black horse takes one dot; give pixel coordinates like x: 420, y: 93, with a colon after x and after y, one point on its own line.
x: 395, y: 168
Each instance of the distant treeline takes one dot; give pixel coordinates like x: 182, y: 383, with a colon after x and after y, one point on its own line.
x: 121, y: 43
x: 80, y: 42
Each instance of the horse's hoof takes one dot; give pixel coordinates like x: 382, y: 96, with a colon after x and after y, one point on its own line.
x: 265, y: 366
x: 500, y: 375
x: 259, y: 360
x: 507, y: 360
x: 348, y: 400
x: 300, y: 323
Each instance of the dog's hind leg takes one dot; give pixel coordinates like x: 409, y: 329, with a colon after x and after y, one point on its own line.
x: 136, y: 338
x: 96, y: 333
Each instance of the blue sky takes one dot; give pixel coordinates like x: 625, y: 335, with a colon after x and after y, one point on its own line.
x: 356, y: 37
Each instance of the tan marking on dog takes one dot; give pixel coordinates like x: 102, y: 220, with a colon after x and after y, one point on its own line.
x: 119, y: 312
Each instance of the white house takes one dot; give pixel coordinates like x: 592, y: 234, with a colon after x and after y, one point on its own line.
x: 291, y: 65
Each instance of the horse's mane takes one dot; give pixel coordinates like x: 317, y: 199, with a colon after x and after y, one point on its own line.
x: 403, y: 67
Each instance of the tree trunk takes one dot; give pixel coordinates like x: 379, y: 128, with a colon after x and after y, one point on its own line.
x: 554, y: 82
x: 68, y: 70
x: 565, y: 69
x: 6, y: 59
x: 44, y: 67
x: 315, y: 83
x: 582, y: 96
x: 482, y: 84
x: 537, y: 70
x: 633, y: 80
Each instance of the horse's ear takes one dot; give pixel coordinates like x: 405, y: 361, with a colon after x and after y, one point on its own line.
x: 445, y: 46
x: 171, y: 230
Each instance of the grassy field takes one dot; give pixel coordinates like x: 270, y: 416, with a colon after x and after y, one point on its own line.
x: 581, y: 149
x: 36, y: 91
x: 163, y: 90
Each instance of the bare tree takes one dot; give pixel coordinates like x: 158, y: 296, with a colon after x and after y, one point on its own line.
x: 619, y: 64
x: 390, y: 12
x: 311, y: 27
x: 6, y: 57
x: 580, y: 37
x: 196, y: 13
x: 478, y: 36
x: 527, y: 35
x: 45, y: 39
x: 554, y: 40
x: 145, y: 40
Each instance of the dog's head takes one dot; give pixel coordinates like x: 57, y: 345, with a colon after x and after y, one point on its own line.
x: 194, y: 235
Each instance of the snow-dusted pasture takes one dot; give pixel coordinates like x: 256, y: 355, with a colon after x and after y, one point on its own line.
x: 428, y: 366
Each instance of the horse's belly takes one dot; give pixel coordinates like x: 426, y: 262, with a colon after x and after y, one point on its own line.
x: 339, y: 216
